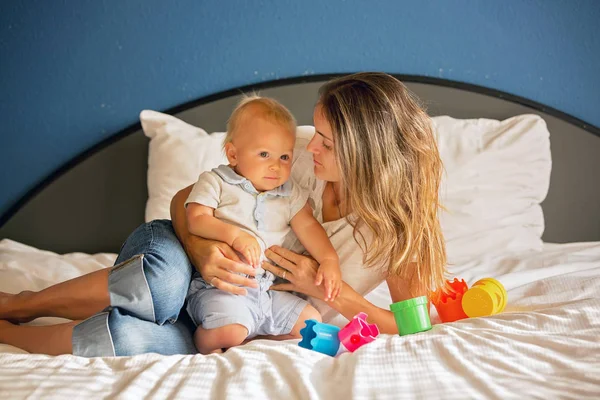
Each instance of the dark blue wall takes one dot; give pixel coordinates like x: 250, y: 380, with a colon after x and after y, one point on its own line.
x: 74, y: 72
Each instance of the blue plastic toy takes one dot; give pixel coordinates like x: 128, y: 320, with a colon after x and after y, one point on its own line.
x: 320, y: 337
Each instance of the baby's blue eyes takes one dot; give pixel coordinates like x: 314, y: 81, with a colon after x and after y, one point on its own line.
x: 285, y: 157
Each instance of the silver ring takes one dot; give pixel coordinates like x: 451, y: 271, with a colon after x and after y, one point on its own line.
x: 283, y: 275
x: 211, y: 281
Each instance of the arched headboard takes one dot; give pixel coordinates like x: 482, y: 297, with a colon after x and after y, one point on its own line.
x: 92, y: 203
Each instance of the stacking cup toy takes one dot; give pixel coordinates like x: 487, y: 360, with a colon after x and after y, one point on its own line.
x: 320, y: 337
x: 358, y: 332
x: 448, y: 300
x: 412, y: 315
x: 486, y: 297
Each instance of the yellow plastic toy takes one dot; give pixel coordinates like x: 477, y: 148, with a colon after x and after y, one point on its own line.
x: 486, y: 297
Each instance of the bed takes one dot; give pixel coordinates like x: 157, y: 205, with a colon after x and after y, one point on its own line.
x: 508, y: 217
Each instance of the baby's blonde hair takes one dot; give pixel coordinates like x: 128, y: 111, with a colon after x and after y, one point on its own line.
x: 391, y: 171
x: 265, y: 107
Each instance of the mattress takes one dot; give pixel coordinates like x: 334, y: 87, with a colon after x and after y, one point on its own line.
x: 546, y: 344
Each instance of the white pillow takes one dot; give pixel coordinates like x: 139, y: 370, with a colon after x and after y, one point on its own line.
x: 178, y: 153
x: 497, y: 173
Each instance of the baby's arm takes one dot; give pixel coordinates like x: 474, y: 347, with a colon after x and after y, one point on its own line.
x: 202, y: 222
x: 314, y: 238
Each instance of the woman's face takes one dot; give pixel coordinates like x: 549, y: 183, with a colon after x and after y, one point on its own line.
x: 322, y: 148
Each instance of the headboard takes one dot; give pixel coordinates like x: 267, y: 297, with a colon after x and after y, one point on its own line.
x: 93, y: 202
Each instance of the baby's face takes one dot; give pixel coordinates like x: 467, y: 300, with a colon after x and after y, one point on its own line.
x: 264, y: 152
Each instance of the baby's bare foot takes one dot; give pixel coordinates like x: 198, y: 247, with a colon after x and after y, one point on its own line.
x: 8, y: 311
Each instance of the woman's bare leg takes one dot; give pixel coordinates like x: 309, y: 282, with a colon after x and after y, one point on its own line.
x: 78, y: 298
x: 52, y: 339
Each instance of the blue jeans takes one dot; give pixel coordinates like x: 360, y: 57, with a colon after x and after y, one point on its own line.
x: 147, y: 287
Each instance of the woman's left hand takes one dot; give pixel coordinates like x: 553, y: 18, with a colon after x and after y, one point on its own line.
x: 299, y: 270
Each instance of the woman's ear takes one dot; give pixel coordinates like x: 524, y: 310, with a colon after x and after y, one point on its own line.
x: 231, y: 154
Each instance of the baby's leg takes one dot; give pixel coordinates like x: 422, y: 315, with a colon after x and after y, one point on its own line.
x: 309, y: 312
x: 288, y: 315
x: 213, y: 340
x: 223, y: 319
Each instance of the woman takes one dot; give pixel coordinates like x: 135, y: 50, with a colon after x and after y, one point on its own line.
x: 373, y: 171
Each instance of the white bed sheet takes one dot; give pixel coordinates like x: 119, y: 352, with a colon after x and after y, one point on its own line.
x: 545, y: 345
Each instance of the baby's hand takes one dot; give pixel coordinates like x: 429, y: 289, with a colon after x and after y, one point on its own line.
x: 248, y: 246
x: 329, y: 273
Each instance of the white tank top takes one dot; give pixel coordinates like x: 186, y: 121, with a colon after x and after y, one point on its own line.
x: 362, y: 279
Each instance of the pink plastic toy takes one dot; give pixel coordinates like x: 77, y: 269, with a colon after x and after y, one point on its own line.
x: 358, y: 332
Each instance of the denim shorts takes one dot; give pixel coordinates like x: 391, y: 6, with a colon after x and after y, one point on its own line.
x: 147, y: 288
x: 261, y: 311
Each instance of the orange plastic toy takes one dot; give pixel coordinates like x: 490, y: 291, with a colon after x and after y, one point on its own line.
x: 448, y: 300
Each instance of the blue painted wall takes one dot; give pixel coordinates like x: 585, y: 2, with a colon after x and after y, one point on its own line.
x: 73, y: 72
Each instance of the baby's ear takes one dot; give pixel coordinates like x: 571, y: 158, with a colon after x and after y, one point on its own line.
x: 231, y: 153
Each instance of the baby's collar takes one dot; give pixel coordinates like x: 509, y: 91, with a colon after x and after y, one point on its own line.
x: 233, y: 178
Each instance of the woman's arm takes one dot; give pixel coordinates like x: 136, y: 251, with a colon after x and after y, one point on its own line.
x: 350, y: 303
x: 211, y: 258
x: 301, y: 271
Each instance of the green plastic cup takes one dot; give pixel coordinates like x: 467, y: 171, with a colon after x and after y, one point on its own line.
x: 411, y: 315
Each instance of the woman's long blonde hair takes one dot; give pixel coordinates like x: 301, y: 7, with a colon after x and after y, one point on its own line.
x: 391, y: 170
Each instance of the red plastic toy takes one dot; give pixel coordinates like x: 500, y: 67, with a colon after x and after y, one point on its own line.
x: 358, y: 332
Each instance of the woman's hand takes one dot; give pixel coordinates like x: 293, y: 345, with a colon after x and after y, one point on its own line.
x: 219, y: 265
x: 299, y: 270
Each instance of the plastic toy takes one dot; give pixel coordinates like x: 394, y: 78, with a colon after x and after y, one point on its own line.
x: 448, y: 300
x: 320, y: 337
x: 357, y: 332
x: 326, y: 338
x: 455, y: 301
x: 486, y: 297
x: 412, y: 315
